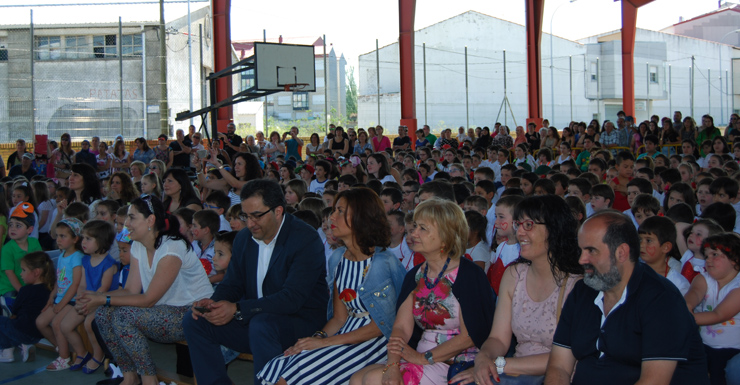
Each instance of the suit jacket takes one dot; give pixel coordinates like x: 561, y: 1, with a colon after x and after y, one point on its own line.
x: 295, y: 283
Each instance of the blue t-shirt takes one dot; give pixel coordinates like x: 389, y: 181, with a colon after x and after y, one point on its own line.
x: 291, y: 147
x: 65, y: 266
x: 94, y: 274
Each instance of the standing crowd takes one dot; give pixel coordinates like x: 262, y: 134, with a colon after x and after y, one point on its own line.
x: 601, y: 253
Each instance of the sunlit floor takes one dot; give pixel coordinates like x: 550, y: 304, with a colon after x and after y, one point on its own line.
x: 164, y: 356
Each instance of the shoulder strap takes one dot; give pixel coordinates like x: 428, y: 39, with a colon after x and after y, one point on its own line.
x: 559, y: 308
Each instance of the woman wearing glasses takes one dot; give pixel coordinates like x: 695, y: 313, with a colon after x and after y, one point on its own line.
x: 158, y: 167
x: 532, y: 293
x: 166, y: 277
x: 365, y: 280
x: 446, y: 300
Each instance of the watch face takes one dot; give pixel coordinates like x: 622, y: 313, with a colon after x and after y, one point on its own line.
x: 501, y: 361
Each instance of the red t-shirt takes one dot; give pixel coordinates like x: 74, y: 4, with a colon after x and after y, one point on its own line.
x: 620, y: 200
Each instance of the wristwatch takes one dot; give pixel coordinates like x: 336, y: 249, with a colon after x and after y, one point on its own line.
x: 238, y: 314
x: 500, y: 363
x: 429, y: 357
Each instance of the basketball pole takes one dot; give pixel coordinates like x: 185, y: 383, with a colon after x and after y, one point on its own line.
x: 326, y: 93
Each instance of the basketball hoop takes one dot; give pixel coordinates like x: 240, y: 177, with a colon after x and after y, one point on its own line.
x: 295, y: 87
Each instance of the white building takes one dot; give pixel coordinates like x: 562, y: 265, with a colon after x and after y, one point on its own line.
x: 587, y: 76
x: 78, y: 84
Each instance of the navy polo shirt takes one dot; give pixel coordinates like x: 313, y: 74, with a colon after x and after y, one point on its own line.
x: 653, y: 323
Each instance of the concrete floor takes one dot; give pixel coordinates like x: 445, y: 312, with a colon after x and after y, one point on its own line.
x: 241, y: 372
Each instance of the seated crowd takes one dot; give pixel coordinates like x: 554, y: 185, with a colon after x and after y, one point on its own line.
x: 602, y: 253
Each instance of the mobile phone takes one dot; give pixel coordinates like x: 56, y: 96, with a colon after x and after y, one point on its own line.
x: 202, y: 309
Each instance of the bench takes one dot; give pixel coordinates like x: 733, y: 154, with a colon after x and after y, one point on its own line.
x: 168, y: 377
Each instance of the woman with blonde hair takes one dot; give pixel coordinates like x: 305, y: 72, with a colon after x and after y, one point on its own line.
x: 158, y: 167
x: 446, y: 300
x: 137, y: 171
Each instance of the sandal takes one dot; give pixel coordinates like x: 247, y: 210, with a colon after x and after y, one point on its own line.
x: 75, y: 367
x: 86, y: 369
x: 58, y: 364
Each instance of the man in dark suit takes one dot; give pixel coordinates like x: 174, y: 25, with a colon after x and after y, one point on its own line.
x: 274, y: 291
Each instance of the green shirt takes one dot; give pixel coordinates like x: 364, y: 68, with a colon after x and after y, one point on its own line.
x: 10, y: 259
x: 704, y: 136
x: 583, y: 159
x: 431, y: 138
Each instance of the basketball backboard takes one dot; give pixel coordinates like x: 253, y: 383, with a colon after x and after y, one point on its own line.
x: 279, y: 65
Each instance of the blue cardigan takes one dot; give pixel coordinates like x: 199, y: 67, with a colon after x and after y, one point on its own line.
x: 380, y: 289
x: 476, y: 297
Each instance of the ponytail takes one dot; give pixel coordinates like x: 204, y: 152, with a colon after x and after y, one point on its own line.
x: 41, y: 260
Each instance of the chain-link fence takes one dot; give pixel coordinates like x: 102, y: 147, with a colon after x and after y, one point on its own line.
x: 471, y: 70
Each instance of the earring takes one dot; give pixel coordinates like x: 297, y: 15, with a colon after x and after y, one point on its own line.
x: 150, y: 229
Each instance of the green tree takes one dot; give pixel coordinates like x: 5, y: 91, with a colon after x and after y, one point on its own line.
x: 351, y: 94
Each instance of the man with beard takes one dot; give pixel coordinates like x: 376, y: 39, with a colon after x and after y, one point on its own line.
x: 623, y: 323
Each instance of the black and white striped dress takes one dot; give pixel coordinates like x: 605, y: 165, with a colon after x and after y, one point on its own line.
x: 333, y: 364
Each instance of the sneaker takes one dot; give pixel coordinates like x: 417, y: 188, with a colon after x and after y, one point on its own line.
x: 28, y: 353
x: 6, y: 355
x: 58, y: 364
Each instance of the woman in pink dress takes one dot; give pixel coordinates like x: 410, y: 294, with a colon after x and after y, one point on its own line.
x: 380, y: 142
x: 533, y: 290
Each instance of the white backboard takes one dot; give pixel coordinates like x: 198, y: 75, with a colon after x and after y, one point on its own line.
x: 279, y: 64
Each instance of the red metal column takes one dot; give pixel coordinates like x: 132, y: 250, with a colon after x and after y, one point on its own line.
x: 629, y: 29
x: 534, y: 11
x: 406, y: 13
x: 222, y: 56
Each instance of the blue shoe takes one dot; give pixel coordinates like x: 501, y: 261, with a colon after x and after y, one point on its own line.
x: 76, y: 367
x: 87, y: 370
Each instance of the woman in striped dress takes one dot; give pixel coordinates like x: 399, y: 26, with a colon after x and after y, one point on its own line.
x: 365, y: 281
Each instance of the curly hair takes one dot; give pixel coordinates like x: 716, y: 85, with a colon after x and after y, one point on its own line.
x: 563, y: 251
x: 366, y: 207
x: 128, y: 189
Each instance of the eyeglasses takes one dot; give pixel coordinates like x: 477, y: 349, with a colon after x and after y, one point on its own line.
x: 254, y: 217
x: 527, y: 225
x: 207, y: 206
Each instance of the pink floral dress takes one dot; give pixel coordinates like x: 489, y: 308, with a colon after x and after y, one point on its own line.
x: 437, y: 312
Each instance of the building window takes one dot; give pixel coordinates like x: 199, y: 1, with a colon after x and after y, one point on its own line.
x: 653, y: 74
x: 76, y: 47
x: 300, y: 100
x: 48, y: 47
x: 247, y: 79
x: 131, y: 45
x: 594, y: 72
x: 104, y: 46
x: 3, y: 50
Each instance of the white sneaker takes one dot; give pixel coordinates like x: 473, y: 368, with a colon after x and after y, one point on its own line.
x: 28, y: 353
x: 6, y: 355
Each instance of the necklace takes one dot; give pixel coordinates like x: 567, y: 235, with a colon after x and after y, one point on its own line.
x: 439, y: 277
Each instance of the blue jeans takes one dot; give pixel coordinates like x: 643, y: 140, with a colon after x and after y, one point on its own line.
x: 718, y: 361
x: 266, y: 336
x: 732, y: 370
x: 11, y: 337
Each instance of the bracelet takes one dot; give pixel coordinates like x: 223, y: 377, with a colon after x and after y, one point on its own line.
x: 388, y: 366
x: 107, y: 301
x: 320, y: 334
